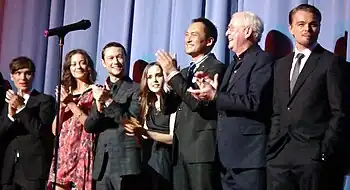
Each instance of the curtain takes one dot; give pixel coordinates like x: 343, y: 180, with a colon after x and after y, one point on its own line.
x: 144, y: 26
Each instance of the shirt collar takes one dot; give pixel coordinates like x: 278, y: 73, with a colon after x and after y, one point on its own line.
x: 26, y: 96
x: 241, y: 56
x: 109, y: 84
x: 201, y: 59
x: 306, y: 51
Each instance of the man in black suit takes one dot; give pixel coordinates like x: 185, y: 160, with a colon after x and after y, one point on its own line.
x: 307, y: 144
x: 25, y: 131
x: 243, y: 101
x: 117, y: 160
x: 195, y: 126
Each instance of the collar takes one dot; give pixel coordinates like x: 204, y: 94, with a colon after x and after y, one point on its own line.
x: 201, y: 59
x: 306, y: 51
x: 247, y: 51
x: 26, y: 96
x: 109, y: 84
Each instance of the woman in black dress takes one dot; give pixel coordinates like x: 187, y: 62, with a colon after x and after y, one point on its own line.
x: 154, y: 124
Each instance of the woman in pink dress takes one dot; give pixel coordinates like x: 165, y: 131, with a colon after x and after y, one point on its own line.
x: 75, y: 152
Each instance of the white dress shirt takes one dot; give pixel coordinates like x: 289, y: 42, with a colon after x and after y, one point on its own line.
x: 307, y: 52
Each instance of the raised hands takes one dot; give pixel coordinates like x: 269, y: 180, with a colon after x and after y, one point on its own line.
x: 65, y: 98
x: 166, y: 61
x: 101, y: 95
x: 207, y: 86
x: 14, y: 101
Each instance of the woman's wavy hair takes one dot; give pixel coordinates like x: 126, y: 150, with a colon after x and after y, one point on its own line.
x: 68, y: 81
x: 147, y: 97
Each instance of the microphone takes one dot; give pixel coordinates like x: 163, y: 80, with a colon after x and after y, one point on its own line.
x: 63, y: 30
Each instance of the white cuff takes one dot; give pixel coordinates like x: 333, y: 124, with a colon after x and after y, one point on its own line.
x: 10, y: 117
x: 171, y: 75
x: 20, y: 109
x: 108, y: 102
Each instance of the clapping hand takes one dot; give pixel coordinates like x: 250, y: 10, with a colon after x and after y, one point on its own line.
x: 167, y: 62
x: 14, y: 101
x: 132, y: 126
x: 65, y: 96
x: 100, y: 95
x: 207, y: 86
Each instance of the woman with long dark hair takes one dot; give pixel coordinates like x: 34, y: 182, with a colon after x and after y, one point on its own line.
x: 154, y: 123
x: 75, y: 151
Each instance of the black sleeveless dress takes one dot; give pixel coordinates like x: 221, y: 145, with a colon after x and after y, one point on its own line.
x: 160, y: 164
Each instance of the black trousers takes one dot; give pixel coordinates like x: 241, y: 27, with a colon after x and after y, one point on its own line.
x: 291, y: 169
x: 196, y: 176
x: 243, y: 179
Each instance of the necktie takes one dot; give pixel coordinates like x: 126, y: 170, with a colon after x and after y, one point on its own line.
x: 190, y: 73
x: 295, y: 73
x: 191, y: 70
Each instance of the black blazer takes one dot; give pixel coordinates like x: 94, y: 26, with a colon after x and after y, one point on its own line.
x: 314, y: 114
x: 244, y: 111
x: 29, y: 135
x: 123, y: 150
x: 195, y: 125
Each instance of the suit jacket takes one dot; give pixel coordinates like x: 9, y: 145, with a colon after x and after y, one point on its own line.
x: 314, y: 114
x: 29, y: 135
x: 123, y: 151
x: 195, y: 124
x: 244, y: 110
x: 2, y: 102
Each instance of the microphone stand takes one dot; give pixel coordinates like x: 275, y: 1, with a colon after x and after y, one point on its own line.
x: 61, y: 33
x: 58, y: 108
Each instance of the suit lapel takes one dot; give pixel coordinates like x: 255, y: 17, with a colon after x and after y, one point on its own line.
x: 32, y: 98
x: 285, y: 75
x: 305, y: 72
x: 120, y: 92
x: 246, y: 62
x: 205, y: 64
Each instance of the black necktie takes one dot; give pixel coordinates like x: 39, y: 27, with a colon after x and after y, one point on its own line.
x: 295, y: 73
x: 190, y: 72
x: 191, y: 69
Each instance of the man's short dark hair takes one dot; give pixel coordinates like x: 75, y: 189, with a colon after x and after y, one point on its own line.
x: 307, y: 8
x: 113, y: 44
x: 209, y: 29
x: 21, y: 62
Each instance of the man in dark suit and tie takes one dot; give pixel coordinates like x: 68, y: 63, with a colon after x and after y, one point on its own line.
x: 25, y: 131
x: 195, y: 127
x: 307, y: 145
x: 117, y: 160
x: 243, y: 101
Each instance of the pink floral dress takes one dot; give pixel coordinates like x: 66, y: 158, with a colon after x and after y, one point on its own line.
x: 75, y: 153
